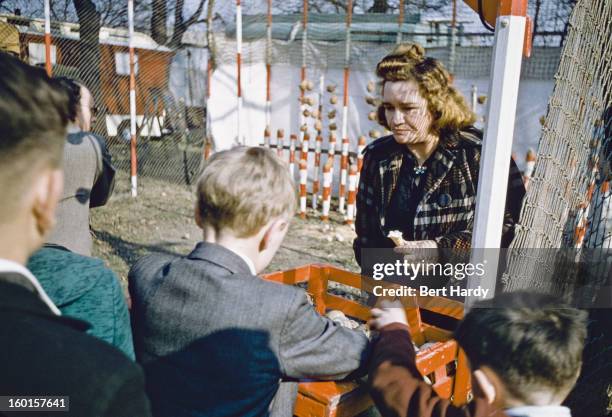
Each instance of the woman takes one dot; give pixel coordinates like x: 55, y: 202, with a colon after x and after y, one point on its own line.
x: 422, y: 180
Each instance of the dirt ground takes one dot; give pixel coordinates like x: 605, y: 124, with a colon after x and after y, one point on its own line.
x: 161, y: 220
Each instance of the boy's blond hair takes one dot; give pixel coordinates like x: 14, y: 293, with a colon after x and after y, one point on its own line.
x: 243, y: 188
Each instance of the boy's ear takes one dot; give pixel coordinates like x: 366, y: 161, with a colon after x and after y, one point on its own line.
x: 484, y: 386
x: 198, y: 217
x: 47, y: 189
x: 272, y: 230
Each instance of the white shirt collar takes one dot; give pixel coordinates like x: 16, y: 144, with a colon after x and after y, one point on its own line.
x: 538, y: 411
x: 11, y: 266
x: 248, y: 261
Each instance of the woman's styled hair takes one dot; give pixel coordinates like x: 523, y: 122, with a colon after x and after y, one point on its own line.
x: 408, y: 62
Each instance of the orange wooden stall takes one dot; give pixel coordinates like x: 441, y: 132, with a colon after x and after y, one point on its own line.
x: 444, y: 362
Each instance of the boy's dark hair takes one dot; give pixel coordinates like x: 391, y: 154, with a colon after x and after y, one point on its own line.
x: 73, y: 88
x: 533, y: 342
x: 33, y: 118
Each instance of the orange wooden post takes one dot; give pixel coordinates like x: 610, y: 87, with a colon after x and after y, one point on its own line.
x: 461, y: 388
x: 303, y: 183
x: 327, y: 183
x: 352, y: 195
x: 317, y: 166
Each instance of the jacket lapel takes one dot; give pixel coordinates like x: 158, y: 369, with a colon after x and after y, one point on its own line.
x: 441, y: 164
x: 389, y: 170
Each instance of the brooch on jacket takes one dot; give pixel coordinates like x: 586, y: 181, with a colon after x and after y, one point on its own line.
x: 419, y: 169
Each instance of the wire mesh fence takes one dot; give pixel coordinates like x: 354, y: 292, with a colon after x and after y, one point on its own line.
x: 179, y: 44
x: 568, y: 202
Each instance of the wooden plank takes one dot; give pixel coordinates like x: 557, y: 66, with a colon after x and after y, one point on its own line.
x: 444, y: 387
x: 348, y: 307
x: 435, y: 334
x: 328, y: 392
x: 437, y: 356
x: 307, y: 407
x: 462, y: 386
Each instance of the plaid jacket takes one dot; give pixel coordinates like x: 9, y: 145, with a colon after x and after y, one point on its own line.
x: 446, y: 211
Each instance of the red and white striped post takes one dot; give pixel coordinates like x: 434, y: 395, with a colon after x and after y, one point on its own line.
x: 360, y: 148
x: 331, y: 152
x: 305, y: 147
x: 48, y: 63
x: 303, y: 183
x: 239, y: 70
x: 269, y: 67
x: 327, y: 184
x: 133, y: 156
x: 267, y: 137
x: 317, y: 167
x: 344, y: 162
x: 292, y: 141
x: 345, y: 139
x: 280, y: 137
x: 352, y: 195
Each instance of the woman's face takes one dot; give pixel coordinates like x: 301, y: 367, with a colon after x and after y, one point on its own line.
x: 406, y: 112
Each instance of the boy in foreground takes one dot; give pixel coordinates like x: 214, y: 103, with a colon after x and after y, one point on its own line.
x: 213, y: 337
x: 525, y: 353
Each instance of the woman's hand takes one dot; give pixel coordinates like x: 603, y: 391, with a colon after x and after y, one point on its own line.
x: 390, y: 312
x: 419, y: 250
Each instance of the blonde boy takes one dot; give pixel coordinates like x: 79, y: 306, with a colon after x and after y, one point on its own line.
x: 215, y: 339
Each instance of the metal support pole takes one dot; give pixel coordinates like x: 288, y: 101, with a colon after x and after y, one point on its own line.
x: 497, y: 145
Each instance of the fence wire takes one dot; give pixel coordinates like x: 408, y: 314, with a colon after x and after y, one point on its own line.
x: 173, y: 49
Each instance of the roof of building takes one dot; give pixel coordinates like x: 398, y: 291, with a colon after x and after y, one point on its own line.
x: 66, y: 30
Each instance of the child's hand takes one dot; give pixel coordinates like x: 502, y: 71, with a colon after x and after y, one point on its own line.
x: 390, y: 312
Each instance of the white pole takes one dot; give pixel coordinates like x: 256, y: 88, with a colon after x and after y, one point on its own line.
x: 133, y: 158
x: 239, y: 70
x: 345, y: 139
x: 497, y: 145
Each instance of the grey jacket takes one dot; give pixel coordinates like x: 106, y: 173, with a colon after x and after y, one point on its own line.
x: 88, y: 182
x: 215, y: 340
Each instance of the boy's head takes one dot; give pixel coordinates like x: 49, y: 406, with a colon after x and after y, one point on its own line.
x: 526, y: 345
x: 247, y: 194
x: 33, y: 118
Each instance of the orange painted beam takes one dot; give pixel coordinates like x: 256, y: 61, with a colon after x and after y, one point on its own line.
x: 493, y: 8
